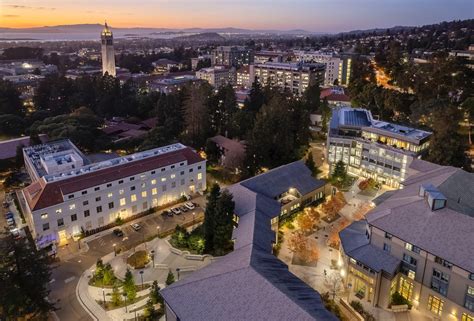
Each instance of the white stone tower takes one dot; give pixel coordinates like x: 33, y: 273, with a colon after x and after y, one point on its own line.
x: 108, y: 55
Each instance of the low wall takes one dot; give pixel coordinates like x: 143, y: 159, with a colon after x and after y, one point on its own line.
x: 355, y: 315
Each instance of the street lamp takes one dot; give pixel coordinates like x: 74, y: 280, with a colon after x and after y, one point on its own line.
x: 153, y: 257
x: 158, y: 230
x: 115, y: 251
x: 135, y: 308
x: 194, y: 216
x: 177, y: 271
x: 125, y: 296
x: 103, y: 294
x: 141, y: 275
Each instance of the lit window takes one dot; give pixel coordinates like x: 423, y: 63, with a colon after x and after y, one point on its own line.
x: 143, y: 185
x: 59, y: 211
x: 154, y: 191
x: 44, y: 216
x: 435, y: 304
x: 72, y: 206
x: 199, y: 175
x: 122, y: 202
x: 144, y: 194
x: 163, y: 179
x: 173, y: 175
x: 110, y: 195
x: 133, y: 198
x: 153, y: 182
x: 121, y: 191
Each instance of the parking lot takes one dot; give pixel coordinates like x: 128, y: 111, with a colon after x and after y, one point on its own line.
x: 151, y: 225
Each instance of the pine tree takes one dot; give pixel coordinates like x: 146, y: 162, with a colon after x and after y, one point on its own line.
x: 224, y: 223
x: 209, y: 224
x: 339, y: 175
x: 155, y: 294
x: 170, y: 278
x: 116, y: 296
x: 129, y: 286
x: 311, y: 98
x: 312, y: 165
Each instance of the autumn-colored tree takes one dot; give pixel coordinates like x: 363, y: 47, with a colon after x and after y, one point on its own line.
x: 300, y: 245
x: 296, y: 242
x: 334, y: 205
x: 334, y: 239
x: 305, y: 222
x: 314, y: 214
x: 310, y: 254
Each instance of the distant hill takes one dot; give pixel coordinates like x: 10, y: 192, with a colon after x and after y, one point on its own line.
x: 205, y: 36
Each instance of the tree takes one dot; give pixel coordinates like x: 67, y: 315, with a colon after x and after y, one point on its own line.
x: 11, y: 124
x: 339, y: 174
x: 223, y: 223
x: 468, y: 107
x: 196, y: 114
x: 10, y: 102
x: 312, y: 98
x: 447, y: 146
x: 25, y: 277
x: 108, y: 275
x: 116, y: 296
x: 150, y: 311
x: 155, y: 294
x: 129, y: 286
x: 210, y: 214
x: 305, y: 222
x: 213, y: 152
x: 170, y: 278
x: 312, y: 165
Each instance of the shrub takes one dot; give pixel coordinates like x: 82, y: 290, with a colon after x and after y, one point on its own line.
x: 138, y: 260
x: 119, y: 221
x: 170, y: 278
x: 357, y: 306
x: 196, y: 243
x: 398, y: 299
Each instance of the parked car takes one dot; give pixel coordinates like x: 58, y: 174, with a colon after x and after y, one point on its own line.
x: 176, y: 210
x: 183, y: 209
x: 118, y: 232
x: 10, y: 222
x: 167, y: 213
x: 189, y: 205
x: 9, y: 215
x: 136, y: 226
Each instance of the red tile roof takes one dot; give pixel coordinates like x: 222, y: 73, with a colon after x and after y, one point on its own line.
x: 41, y: 195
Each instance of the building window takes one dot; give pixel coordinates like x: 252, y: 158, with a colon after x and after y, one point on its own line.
x: 386, y: 247
x: 96, y: 188
x: 109, y: 185
x: 132, y: 178
x: 411, y: 247
x: 59, y: 211
x: 122, y: 202
x: 182, y: 181
x: 99, y: 209
x: 45, y: 226
x: 109, y: 195
x: 182, y: 173
x: 471, y: 276
x: 163, y: 169
x: 111, y: 205
x: 87, y: 213
x: 154, y: 191
x: 84, y: 192
x: 85, y: 203
x: 469, y: 300
x: 467, y: 317
x: 132, y: 188
x: 408, y: 259
x: 71, y: 196
x: 191, y: 170
x: 73, y: 217
x: 153, y: 172
x: 72, y: 207
x: 435, y: 304
x: 163, y: 179
x: 143, y: 185
x: 443, y: 262
x: 440, y: 282
x: 97, y: 199
x: 163, y: 188
x: 144, y: 194
x: 199, y: 175
x: 153, y: 182
x: 121, y: 192
x: 60, y: 222
x: 173, y: 175
x: 133, y: 198
x: 121, y: 181
x: 199, y: 167
x: 388, y: 236
x: 44, y: 216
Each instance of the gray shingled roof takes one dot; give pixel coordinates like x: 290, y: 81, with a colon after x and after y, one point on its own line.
x: 279, y: 180
x: 250, y: 283
x: 447, y: 232
x: 356, y: 245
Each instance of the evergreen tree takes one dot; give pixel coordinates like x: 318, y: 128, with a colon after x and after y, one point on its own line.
x: 312, y: 165
x: 10, y: 102
x: 311, y: 98
x: 155, y: 294
x: 129, y: 286
x: 224, y: 223
x: 25, y: 275
x: 150, y: 311
x: 256, y: 98
x: 210, y: 214
x: 116, y: 296
x: 196, y: 114
x: 170, y: 278
x: 213, y: 152
x: 339, y: 175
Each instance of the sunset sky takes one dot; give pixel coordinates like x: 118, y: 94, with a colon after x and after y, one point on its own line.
x: 313, y: 15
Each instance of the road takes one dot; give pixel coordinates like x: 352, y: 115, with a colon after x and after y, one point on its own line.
x: 67, y: 272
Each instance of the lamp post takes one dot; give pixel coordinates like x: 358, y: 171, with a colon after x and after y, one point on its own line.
x: 103, y: 294
x: 153, y: 257
x: 194, y: 216
x: 158, y: 230
x: 177, y: 271
x: 115, y: 250
x: 135, y: 308
x: 125, y: 297
x: 141, y: 275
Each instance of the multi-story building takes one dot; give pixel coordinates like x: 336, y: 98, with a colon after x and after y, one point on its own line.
x: 251, y: 283
x: 417, y: 241
x: 69, y: 194
x: 217, y: 76
x: 231, y: 56
x: 371, y: 148
x: 171, y: 85
x: 338, y: 67
x: 243, y: 79
x: 295, y: 77
x: 107, y: 50
x: 263, y: 56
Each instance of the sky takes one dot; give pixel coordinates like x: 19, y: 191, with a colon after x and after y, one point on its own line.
x: 311, y: 15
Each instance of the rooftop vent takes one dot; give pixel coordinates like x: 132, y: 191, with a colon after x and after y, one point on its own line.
x: 436, y: 200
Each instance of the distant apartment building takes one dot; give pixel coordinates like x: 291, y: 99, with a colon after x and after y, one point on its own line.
x: 417, y: 241
x: 217, y: 76
x: 165, y: 66
x: 231, y: 56
x: 263, y: 56
x: 371, y: 148
x: 195, y: 61
x: 170, y: 84
x: 338, y: 67
x: 295, y: 77
x: 468, y: 55
x: 243, y: 78
x: 69, y: 194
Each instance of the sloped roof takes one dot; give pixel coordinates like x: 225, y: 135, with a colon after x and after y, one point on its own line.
x: 447, y: 232
x: 250, y: 283
x: 280, y: 179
